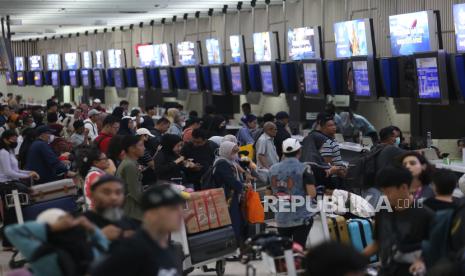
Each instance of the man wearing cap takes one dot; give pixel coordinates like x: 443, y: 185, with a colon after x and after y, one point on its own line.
x: 42, y: 159
x: 97, y: 105
x: 291, y: 178
x: 282, y: 122
x: 149, y: 251
x: 107, y: 195
x: 110, y: 127
x: 91, y: 123
x: 148, y: 174
x: 244, y: 135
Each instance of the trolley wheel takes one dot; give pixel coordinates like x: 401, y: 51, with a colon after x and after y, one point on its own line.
x: 188, y: 271
x: 220, y: 267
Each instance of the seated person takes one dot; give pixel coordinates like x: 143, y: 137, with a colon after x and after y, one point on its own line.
x: 401, y: 227
x: 444, y: 183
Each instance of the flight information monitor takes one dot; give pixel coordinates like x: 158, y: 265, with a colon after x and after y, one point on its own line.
x: 163, y: 55
x: 361, y: 79
x: 311, y: 79
x: 187, y: 52
x: 213, y: 51
x: 353, y: 38
x: 413, y: 32
x: 21, y: 78
x: 141, y: 77
x: 53, y: 62
x: 301, y: 43
x: 267, y: 79
x: 116, y: 58
x: 99, y: 59
x: 237, y: 45
x: 98, y: 79
x: 216, y: 79
x: 459, y: 23
x: 164, y: 79
x: 86, y: 80
x: 265, y: 47
x: 72, y: 61
x: 146, y: 55
x: 192, y: 79
x: 20, y: 64
x: 428, y: 78
x: 35, y: 63
x: 236, y: 79
x: 119, y: 79
x: 55, y: 76
x: 74, y: 78
x: 87, y: 60
x: 38, y: 79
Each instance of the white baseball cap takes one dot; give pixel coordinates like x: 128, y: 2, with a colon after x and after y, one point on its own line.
x: 97, y: 100
x: 50, y: 216
x: 144, y: 131
x: 291, y: 145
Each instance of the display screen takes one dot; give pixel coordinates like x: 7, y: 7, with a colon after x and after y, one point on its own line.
x: 213, y: 51
x: 55, y: 75
x: 311, y: 79
x: 459, y: 22
x: 53, y: 62
x: 73, y: 78
x: 361, y: 80
x: 262, y: 46
x: 85, y: 78
x: 428, y: 78
x: 72, y: 61
x: 146, y: 55
x: 116, y: 58
x: 35, y: 63
x: 216, y: 79
x: 19, y: 64
x: 98, y: 79
x: 9, y: 78
x: 186, y: 51
x: 267, y: 79
x: 236, y: 79
x: 165, y: 85
x: 301, y: 43
x: 99, y: 59
x: 163, y: 55
x: 119, y: 79
x: 192, y: 79
x: 140, y: 75
x: 87, y: 60
x: 236, y: 42
x: 409, y: 33
x: 21, y: 78
x: 351, y: 38
x: 38, y: 78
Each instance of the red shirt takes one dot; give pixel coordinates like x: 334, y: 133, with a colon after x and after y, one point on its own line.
x: 103, y: 141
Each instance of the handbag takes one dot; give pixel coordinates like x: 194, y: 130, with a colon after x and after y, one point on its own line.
x: 255, y: 212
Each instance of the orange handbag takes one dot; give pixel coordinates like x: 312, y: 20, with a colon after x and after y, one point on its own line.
x: 254, y: 211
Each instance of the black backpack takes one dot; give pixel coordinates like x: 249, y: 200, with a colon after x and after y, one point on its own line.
x: 207, y: 181
x: 363, y: 173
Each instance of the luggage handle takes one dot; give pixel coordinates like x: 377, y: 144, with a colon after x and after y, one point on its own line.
x: 23, y: 199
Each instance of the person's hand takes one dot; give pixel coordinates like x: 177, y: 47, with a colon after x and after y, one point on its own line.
x: 34, y: 175
x: 331, y: 171
x: 342, y: 172
x: 249, y: 177
x: 71, y: 174
x: 179, y: 160
x: 196, y: 167
x: 63, y: 223
x: 85, y: 223
x: 111, y: 232
x: 418, y: 268
x: 128, y: 233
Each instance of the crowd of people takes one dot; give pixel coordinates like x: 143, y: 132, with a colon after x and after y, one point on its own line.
x: 125, y: 161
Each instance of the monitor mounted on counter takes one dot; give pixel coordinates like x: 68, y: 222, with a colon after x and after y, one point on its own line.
x: 354, y: 38
x: 116, y: 58
x: 99, y: 57
x: 35, y: 63
x: 53, y: 62
x: 189, y: 53
x: 141, y: 77
x: 304, y: 43
x: 266, y: 47
x: 364, y: 76
x: 431, y: 74
x: 86, y: 78
x: 237, y: 44
x: 214, y: 51
x: 87, y: 60
x: 20, y: 64
x: 313, y: 78
x: 164, y: 55
x: 269, y: 79
x: 74, y: 78
x: 72, y: 61
x: 99, y: 79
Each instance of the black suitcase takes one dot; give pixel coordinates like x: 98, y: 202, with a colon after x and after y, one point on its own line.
x: 212, y: 244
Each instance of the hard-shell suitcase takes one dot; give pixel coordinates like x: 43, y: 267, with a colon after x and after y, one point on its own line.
x: 53, y: 190
x: 212, y: 244
x: 361, y: 234
x: 65, y: 203
x: 337, y: 226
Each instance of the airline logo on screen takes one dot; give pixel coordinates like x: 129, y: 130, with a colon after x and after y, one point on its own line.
x: 409, y: 33
x: 186, y: 51
x: 459, y: 22
x: 301, y: 43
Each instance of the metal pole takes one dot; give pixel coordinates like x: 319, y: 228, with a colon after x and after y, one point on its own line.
x: 174, y: 30
x: 3, y: 27
x: 141, y: 26
x: 163, y: 20
x: 225, y: 12
x: 197, y: 15
x: 322, y: 24
x: 210, y: 21
x: 252, y: 4
x: 184, y: 30
x: 131, y: 28
x: 239, y: 7
x: 285, y: 27
x: 8, y: 32
x: 267, y: 9
x: 152, y: 23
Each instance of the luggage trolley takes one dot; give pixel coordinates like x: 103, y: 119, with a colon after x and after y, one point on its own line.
x: 222, y: 244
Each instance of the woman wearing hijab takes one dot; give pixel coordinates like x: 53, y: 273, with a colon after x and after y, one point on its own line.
x: 127, y: 126
x: 227, y: 174
x: 169, y: 164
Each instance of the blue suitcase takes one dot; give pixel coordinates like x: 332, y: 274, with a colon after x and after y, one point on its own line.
x: 361, y: 234
x: 67, y: 204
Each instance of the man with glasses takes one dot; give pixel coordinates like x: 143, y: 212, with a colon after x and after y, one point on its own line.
x: 265, y: 148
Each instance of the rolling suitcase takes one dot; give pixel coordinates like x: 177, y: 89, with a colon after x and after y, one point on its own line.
x: 361, y: 234
x: 53, y: 190
x: 212, y: 244
x: 67, y: 204
x: 337, y: 226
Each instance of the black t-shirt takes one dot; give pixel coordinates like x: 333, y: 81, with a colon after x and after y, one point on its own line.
x: 388, y: 156
x: 437, y: 205
x: 399, y: 233
x: 140, y: 256
x: 101, y: 222
x: 204, y: 155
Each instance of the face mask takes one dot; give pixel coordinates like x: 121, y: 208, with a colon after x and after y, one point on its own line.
x: 51, y: 139
x: 33, y: 125
x: 397, y: 141
x: 183, y: 124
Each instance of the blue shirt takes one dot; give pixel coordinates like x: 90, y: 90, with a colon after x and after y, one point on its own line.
x: 43, y: 160
x: 244, y: 136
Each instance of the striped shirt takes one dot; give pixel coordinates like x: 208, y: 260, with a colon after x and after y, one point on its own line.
x: 331, y: 149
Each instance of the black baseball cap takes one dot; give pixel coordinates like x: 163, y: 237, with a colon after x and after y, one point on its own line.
x: 44, y: 129
x: 282, y: 115
x: 161, y: 196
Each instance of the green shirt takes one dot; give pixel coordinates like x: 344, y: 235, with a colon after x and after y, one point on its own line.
x: 129, y: 172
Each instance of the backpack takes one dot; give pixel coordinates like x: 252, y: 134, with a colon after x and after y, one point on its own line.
x: 363, y: 173
x: 457, y: 229
x: 207, y: 181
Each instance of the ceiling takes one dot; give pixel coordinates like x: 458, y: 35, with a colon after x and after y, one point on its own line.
x: 39, y: 18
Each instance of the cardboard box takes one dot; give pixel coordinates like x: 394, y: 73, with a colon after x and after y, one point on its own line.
x: 209, y: 210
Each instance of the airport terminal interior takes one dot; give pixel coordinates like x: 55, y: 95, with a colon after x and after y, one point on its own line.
x: 217, y: 137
